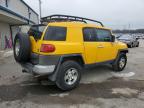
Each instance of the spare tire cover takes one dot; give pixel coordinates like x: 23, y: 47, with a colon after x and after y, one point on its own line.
x: 22, y: 47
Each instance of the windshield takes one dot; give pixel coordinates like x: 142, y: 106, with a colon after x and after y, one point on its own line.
x: 36, y: 29
x: 33, y: 28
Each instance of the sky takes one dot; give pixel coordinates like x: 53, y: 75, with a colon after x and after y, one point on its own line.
x: 117, y: 14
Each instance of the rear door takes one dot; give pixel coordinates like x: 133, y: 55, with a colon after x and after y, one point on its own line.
x: 106, y: 49
x: 35, y: 33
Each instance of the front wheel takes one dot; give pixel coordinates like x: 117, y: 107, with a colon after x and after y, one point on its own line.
x: 69, y: 75
x: 120, y: 62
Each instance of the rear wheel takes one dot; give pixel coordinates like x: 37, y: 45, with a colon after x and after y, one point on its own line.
x: 69, y: 75
x: 22, y: 47
x: 120, y: 62
x: 137, y: 45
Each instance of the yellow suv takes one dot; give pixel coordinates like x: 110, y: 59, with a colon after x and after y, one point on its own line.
x: 63, y: 45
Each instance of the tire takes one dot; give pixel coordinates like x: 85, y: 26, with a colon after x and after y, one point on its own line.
x: 134, y: 45
x: 131, y: 45
x: 117, y: 65
x: 22, y: 47
x: 137, y: 45
x: 62, y: 78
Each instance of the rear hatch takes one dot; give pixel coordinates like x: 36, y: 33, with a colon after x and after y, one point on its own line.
x: 52, y: 41
x: 35, y: 33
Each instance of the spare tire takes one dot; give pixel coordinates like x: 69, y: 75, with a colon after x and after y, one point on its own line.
x: 22, y: 47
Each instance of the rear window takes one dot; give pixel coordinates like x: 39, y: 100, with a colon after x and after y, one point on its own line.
x: 54, y: 33
x: 89, y: 34
x: 36, y: 30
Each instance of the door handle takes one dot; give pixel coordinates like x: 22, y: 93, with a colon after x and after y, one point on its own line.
x: 100, y: 46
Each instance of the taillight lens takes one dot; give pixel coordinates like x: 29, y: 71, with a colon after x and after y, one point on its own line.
x: 47, y: 48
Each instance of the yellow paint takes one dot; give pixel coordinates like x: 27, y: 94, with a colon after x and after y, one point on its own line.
x: 74, y: 44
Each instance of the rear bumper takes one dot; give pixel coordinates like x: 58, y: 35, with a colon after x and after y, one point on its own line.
x: 38, y: 69
x: 41, y: 64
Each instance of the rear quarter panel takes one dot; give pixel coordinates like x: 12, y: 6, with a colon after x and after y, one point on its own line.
x: 72, y: 45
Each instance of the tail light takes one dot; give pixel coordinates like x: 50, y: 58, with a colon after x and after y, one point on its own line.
x: 47, y: 48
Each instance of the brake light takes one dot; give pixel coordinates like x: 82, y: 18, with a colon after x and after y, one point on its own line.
x: 47, y: 48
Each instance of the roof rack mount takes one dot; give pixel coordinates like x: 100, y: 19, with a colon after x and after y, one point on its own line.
x: 59, y: 18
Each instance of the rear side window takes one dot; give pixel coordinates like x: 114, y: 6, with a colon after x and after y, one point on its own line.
x: 54, y: 33
x: 89, y: 34
x: 103, y: 35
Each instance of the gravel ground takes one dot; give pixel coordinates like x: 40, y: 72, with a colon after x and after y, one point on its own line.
x: 99, y: 88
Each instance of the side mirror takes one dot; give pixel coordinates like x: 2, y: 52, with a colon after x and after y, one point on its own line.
x: 113, y: 38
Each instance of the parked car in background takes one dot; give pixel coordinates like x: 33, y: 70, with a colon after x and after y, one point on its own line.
x: 131, y: 41
x: 118, y: 35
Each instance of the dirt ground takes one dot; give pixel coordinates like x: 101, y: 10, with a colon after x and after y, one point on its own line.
x: 99, y: 88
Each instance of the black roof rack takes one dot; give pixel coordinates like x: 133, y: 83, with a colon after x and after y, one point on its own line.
x: 59, y: 18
